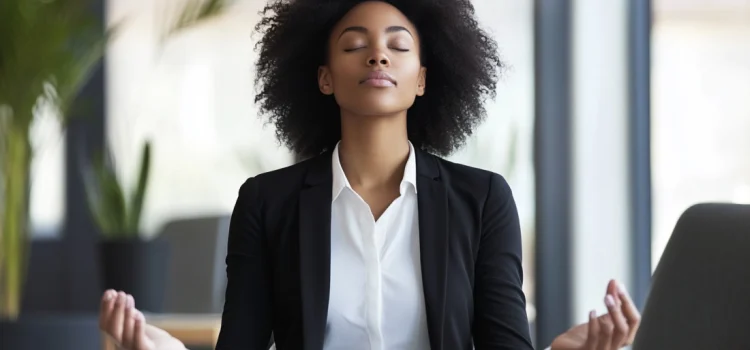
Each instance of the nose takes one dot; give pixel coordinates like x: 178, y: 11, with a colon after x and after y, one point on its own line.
x: 378, y: 58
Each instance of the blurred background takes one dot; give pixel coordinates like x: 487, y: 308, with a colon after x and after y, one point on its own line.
x: 614, y: 117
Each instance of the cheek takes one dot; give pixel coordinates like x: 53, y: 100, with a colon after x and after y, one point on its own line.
x: 409, y: 73
x: 345, y: 70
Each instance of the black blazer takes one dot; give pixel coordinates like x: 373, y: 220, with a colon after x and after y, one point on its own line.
x: 278, y: 259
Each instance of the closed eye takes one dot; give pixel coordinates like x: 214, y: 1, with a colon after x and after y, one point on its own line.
x: 393, y: 48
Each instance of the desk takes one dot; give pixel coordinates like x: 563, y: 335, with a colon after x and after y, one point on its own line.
x: 190, y: 329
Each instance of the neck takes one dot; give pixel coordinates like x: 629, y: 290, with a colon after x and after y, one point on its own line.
x: 373, y: 150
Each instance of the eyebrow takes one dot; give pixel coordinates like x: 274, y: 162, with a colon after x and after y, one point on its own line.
x: 391, y: 29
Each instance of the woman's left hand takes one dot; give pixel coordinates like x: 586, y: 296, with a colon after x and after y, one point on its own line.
x: 611, y: 331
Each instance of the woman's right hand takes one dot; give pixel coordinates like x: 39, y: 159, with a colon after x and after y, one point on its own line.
x: 614, y: 330
x: 119, y: 319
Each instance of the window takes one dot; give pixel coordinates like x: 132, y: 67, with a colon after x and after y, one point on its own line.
x: 193, y: 97
x: 503, y: 144
x: 700, y: 108
x: 47, y: 176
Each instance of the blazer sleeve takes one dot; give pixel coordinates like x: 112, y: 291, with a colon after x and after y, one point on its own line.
x: 246, y: 322
x: 500, y: 320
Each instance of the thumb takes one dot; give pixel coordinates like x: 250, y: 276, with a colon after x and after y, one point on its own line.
x: 592, y: 338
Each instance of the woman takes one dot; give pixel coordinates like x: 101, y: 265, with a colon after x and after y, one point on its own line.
x: 374, y: 243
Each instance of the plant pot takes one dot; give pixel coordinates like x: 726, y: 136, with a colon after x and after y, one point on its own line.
x: 59, y: 332
x: 136, y: 267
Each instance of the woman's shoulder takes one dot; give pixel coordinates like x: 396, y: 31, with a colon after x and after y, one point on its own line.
x: 477, y: 189
x: 286, y: 181
x: 468, y: 182
x: 462, y: 173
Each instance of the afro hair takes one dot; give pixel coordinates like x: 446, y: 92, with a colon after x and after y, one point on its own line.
x: 462, y: 61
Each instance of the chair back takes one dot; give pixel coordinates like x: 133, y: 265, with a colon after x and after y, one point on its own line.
x: 197, y: 270
x: 700, y: 291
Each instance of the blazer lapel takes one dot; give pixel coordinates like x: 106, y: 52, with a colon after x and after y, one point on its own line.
x: 315, y: 250
x: 433, y: 241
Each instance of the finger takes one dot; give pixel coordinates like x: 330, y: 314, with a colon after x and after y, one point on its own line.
x: 630, y: 311
x: 592, y: 339
x: 117, y: 318
x: 606, y: 328
x: 612, y: 287
x: 106, y: 306
x: 128, y: 323
x: 139, y: 334
x: 621, y: 328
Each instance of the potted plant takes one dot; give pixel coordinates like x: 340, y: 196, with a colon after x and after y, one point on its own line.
x: 48, y: 50
x: 128, y: 261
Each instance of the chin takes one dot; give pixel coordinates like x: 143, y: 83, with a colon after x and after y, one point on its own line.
x: 378, y: 110
x: 377, y: 107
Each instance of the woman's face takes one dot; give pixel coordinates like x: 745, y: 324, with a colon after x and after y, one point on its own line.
x: 373, y: 61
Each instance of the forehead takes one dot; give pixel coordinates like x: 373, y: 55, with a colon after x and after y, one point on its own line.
x: 375, y: 16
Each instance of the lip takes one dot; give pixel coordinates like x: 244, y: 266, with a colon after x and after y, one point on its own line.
x: 379, y: 79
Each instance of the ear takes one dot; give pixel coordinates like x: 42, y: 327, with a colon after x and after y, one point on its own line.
x: 421, y: 81
x: 325, y: 83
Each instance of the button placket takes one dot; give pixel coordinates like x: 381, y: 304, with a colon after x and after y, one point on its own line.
x: 374, y: 283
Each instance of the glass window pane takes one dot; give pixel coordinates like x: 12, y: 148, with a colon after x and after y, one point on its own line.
x: 700, y: 108
x: 503, y: 144
x: 192, y: 95
x: 47, y: 175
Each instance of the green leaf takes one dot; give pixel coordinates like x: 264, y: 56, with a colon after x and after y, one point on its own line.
x: 136, y: 203
x: 49, y: 50
x: 116, y: 215
x: 114, y: 198
x: 93, y: 199
x: 194, y: 12
x: 106, y: 197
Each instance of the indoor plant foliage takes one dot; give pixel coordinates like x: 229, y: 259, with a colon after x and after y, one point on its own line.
x: 117, y: 214
x: 48, y: 50
x: 128, y: 261
x: 193, y: 13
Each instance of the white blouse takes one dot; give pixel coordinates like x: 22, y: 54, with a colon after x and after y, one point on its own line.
x: 376, y: 299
